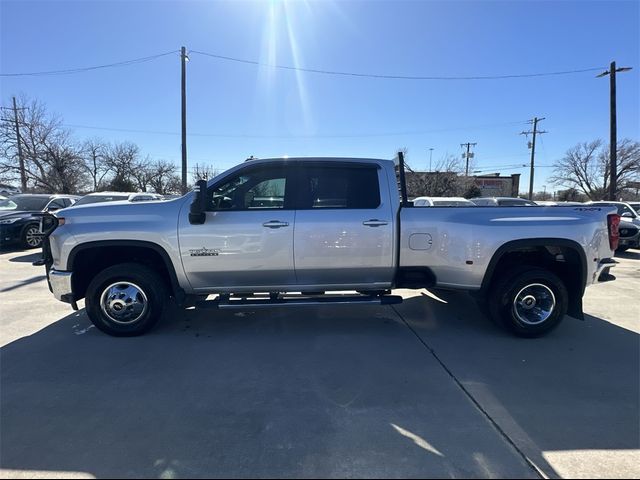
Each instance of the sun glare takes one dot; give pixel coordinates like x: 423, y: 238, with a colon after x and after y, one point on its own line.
x: 282, y: 22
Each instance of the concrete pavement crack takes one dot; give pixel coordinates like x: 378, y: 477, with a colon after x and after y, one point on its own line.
x: 475, y: 402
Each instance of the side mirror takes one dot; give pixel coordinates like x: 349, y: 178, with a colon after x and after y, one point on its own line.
x: 198, y: 208
x: 627, y: 215
x: 52, y: 208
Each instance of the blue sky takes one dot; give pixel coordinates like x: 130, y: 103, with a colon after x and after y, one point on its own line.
x: 265, y: 112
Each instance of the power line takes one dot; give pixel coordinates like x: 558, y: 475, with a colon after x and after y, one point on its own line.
x: 508, y: 167
x: 348, y: 135
x: 393, y: 77
x: 87, y: 69
x: 301, y: 69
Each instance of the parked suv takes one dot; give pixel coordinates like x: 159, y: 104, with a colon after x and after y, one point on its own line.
x: 18, y: 222
x: 629, y: 236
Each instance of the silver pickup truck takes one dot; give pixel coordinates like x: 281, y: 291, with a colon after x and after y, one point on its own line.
x: 282, y: 232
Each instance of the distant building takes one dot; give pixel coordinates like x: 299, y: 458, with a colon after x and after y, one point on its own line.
x: 497, y: 186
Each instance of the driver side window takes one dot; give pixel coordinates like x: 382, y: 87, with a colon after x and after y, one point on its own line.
x: 260, y: 188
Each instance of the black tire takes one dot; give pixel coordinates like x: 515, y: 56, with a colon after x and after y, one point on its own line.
x: 30, y: 236
x: 533, y: 284
x: 135, y: 317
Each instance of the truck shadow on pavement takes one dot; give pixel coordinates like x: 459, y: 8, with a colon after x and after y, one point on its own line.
x: 315, y: 392
x: 633, y: 254
x: 30, y: 257
x: 576, y: 389
x: 28, y: 281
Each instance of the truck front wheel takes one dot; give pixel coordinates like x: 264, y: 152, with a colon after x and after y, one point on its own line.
x: 529, y: 301
x: 125, y: 300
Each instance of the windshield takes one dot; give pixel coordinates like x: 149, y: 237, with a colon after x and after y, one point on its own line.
x: 24, y: 203
x: 100, y: 199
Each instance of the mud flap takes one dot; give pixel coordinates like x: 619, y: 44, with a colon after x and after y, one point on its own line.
x: 575, y: 307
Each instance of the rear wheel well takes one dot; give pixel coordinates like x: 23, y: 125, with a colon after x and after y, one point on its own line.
x: 88, y: 262
x: 563, y: 260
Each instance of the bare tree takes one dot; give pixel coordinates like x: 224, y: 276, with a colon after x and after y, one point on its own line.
x: 140, y: 173
x: 585, y: 167
x: 203, y: 172
x: 164, y: 178
x: 51, y: 158
x: 63, y: 166
x: 628, y: 165
x: 122, y: 159
x: 54, y: 162
x: 446, y: 180
x: 94, y: 154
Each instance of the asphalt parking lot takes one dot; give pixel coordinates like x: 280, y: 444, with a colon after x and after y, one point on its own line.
x: 428, y: 388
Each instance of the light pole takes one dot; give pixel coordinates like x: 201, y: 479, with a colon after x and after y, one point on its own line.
x: 613, y: 142
x: 430, y: 157
x: 544, y: 193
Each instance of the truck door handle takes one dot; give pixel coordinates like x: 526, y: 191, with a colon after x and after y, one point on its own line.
x: 374, y: 222
x: 275, y: 224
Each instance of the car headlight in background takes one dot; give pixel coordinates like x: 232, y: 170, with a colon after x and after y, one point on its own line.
x: 9, y: 221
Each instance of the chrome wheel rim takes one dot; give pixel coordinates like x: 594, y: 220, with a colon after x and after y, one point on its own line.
x: 32, y: 237
x: 123, y: 302
x: 534, y: 304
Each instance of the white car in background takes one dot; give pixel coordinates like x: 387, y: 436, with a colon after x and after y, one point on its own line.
x: 442, y: 202
x: 635, y: 206
x: 103, y: 197
x: 502, y: 202
x: 625, y: 210
x: 553, y: 203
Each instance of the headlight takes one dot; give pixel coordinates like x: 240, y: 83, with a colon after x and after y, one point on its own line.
x: 9, y: 221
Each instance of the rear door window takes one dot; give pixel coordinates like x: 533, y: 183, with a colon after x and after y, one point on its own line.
x: 342, y: 187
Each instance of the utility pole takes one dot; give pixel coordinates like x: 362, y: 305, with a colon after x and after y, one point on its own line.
x: 532, y: 145
x: 613, y: 142
x: 467, y: 155
x: 183, y: 61
x: 430, y: 157
x: 23, y: 176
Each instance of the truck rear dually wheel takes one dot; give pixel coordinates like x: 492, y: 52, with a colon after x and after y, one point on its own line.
x: 529, y: 301
x: 125, y: 300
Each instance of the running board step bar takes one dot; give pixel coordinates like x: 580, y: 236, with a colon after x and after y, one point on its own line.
x: 230, y: 303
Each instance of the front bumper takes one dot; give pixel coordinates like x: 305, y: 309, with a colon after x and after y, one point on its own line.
x: 60, y: 286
